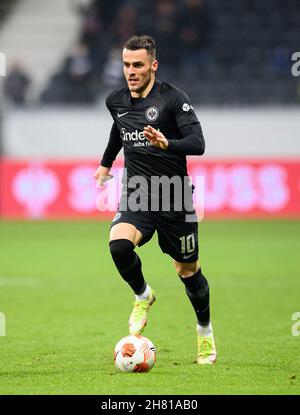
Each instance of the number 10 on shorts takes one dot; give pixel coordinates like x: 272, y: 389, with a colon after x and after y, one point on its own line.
x: 188, y: 244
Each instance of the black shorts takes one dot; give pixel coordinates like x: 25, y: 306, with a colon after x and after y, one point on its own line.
x: 176, y: 237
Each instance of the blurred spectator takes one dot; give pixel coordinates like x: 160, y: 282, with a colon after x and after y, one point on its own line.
x: 92, y: 33
x: 78, y: 66
x: 73, y: 83
x: 16, y: 84
x: 125, y: 25
x: 122, y: 26
x: 109, y: 10
x: 165, y: 33
x: 194, y: 33
x: 78, y: 74
x: 112, y: 75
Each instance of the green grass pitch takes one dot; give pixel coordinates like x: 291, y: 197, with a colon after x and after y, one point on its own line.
x: 66, y: 307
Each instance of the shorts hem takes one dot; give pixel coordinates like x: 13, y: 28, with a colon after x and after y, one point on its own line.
x: 144, y: 239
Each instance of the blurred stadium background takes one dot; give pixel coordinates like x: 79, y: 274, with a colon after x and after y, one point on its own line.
x: 234, y: 59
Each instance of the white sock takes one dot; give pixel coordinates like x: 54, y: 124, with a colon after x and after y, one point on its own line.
x: 144, y: 295
x: 205, y: 330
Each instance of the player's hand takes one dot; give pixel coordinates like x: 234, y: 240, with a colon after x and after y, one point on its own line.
x: 156, y: 138
x: 102, y: 175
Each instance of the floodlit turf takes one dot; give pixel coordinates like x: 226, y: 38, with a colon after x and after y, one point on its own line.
x: 66, y: 307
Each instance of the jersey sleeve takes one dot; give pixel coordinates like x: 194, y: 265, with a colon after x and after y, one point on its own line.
x: 192, y: 141
x: 108, y: 102
x: 113, y: 147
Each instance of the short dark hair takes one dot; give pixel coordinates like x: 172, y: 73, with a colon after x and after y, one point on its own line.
x: 142, y: 42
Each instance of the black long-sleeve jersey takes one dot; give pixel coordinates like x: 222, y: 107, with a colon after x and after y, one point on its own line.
x: 166, y: 108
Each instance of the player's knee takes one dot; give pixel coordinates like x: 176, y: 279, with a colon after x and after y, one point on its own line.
x: 185, y: 273
x: 186, y: 270
x: 122, y: 252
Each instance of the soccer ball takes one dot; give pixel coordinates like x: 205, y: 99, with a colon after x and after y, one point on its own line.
x: 135, y: 353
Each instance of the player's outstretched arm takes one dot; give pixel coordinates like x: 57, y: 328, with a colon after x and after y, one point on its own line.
x: 192, y: 142
x: 113, y: 147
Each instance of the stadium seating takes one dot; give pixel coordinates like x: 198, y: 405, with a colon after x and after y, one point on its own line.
x: 37, y: 34
x: 244, y: 59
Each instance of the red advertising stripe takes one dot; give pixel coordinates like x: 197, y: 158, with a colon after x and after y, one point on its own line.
x: 227, y: 188
x: 249, y: 188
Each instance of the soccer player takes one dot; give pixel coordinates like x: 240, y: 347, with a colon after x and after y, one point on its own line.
x: 157, y: 127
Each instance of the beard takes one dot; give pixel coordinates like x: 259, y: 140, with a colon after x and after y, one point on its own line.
x: 140, y: 87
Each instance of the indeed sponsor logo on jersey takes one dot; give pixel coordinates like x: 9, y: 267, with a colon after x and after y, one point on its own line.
x: 134, y: 136
x: 137, y: 136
